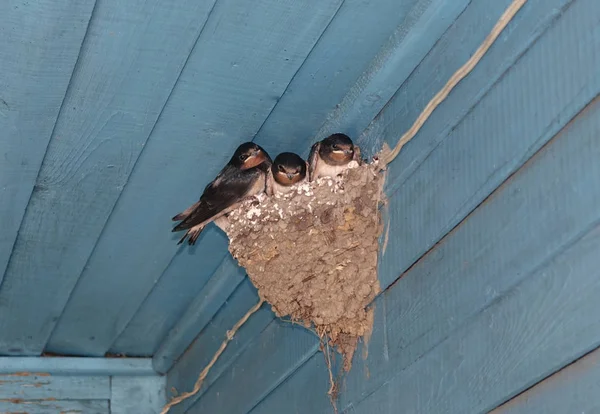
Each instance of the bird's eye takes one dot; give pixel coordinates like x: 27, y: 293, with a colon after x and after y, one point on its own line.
x: 280, y: 168
x: 243, y: 157
x: 335, y: 147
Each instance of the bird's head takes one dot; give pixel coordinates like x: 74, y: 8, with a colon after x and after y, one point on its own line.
x: 249, y: 155
x: 337, y: 149
x: 288, y: 168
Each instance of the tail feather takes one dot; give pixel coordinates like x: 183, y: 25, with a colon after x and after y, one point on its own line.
x: 179, y: 217
x: 192, y: 235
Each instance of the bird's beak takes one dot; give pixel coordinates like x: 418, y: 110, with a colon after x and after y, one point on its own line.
x: 349, y: 151
x: 290, y: 176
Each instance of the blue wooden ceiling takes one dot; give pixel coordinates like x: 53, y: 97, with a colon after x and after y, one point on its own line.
x: 115, y: 114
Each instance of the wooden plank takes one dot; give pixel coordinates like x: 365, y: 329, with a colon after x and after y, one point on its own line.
x: 128, y: 66
x: 522, y: 111
x: 544, y: 207
x: 520, y: 339
x: 39, y: 45
x: 526, y: 222
x: 396, y: 60
x: 293, y: 395
x: 78, y: 366
x: 153, y: 321
x: 137, y: 395
x: 43, y: 387
x: 452, y: 50
x: 576, y: 104
x: 53, y: 407
x: 342, y: 54
x: 185, y: 371
x: 239, y: 68
x: 279, y: 350
x: 220, y: 286
x: 574, y: 389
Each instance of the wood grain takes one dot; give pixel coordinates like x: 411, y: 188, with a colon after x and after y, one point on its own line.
x: 274, y: 355
x: 244, y: 59
x: 343, y: 53
x: 199, y: 314
x: 128, y: 66
x: 53, y: 407
x: 535, y: 329
x: 530, y: 103
x: 41, y: 387
x: 131, y: 395
x: 65, y: 366
x: 185, y: 371
x: 397, y: 58
x: 39, y: 46
x: 573, y: 389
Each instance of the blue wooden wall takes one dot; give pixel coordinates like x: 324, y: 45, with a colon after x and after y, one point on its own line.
x: 80, y: 385
x: 114, y: 114
x: 490, y: 273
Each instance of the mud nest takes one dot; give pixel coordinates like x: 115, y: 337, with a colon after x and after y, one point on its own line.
x: 312, y: 253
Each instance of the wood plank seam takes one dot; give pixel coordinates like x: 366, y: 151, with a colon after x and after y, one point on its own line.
x: 528, y: 155
x: 541, y: 265
x: 492, y: 195
x: 134, y: 165
x: 348, y: 104
x: 75, y: 67
x: 258, y: 131
x: 566, y: 368
x: 522, y: 53
x: 266, y: 119
x: 474, y: 58
x: 296, y: 369
x: 253, y: 138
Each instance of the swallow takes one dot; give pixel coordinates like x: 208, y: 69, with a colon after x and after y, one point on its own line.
x: 244, y: 176
x: 331, y: 156
x: 287, y: 169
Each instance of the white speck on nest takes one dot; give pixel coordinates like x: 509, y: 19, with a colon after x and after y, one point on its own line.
x: 254, y: 211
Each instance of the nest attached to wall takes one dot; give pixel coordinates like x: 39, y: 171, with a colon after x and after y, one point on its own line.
x: 312, y: 253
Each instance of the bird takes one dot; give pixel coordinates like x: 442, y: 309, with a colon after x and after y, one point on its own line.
x: 331, y: 156
x: 244, y: 176
x: 287, y: 169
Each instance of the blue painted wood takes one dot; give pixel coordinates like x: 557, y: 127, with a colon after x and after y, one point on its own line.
x: 407, y: 46
x: 545, y: 20
x: 524, y: 224
x: 123, y: 79
x: 540, y: 326
x: 39, y: 45
x: 547, y: 205
x: 272, y: 357
x: 451, y: 51
x: 239, y: 68
x: 141, y: 395
x: 292, y: 397
x: 343, y: 52
x: 78, y: 366
x: 220, y: 286
x: 53, y: 407
x: 184, y: 373
x: 43, y: 387
x: 574, y: 389
x: 178, y: 289
x: 521, y: 112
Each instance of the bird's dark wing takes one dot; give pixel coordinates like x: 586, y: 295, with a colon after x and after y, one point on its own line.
x: 227, y: 189
x: 313, y: 157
